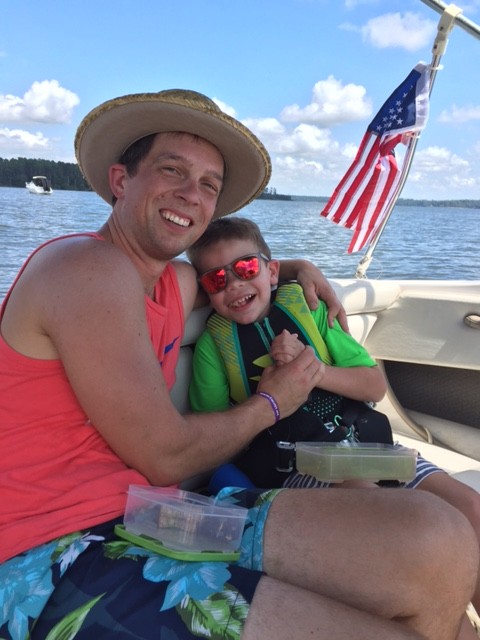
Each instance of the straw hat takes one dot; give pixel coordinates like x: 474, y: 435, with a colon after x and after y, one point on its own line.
x: 109, y: 129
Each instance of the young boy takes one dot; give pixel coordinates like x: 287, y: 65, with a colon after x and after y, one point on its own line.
x: 257, y: 324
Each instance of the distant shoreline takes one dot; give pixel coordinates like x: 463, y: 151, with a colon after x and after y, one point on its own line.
x: 405, y: 202
x: 66, y: 176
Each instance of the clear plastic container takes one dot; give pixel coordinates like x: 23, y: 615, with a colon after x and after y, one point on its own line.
x: 336, y: 462
x: 182, y: 520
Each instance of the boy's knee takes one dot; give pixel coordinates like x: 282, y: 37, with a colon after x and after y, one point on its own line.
x: 452, y: 538
x: 445, y: 522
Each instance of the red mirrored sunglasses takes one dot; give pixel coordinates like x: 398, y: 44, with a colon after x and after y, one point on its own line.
x: 244, y: 268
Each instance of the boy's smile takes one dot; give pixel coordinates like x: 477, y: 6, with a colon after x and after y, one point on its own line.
x: 243, y: 301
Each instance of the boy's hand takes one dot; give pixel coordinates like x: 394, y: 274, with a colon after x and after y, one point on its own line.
x: 285, y: 347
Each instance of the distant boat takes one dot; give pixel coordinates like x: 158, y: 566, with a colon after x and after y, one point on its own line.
x: 39, y: 185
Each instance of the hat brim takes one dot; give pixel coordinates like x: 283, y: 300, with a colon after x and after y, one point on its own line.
x: 108, y: 130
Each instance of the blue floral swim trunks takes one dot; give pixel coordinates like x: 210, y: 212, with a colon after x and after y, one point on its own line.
x: 91, y: 584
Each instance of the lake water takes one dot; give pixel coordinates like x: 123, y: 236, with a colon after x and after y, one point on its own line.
x: 418, y: 242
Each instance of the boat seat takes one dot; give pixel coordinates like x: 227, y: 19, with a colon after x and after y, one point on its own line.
x: 193, y: 328
x: 455, y: 464
x: 408, y: 428
x: 470, y: 477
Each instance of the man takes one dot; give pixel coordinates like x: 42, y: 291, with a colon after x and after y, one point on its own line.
x: 90, y: 335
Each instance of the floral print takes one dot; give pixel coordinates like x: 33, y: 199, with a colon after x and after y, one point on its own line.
x: 27, y: 581
x: 92, y: 584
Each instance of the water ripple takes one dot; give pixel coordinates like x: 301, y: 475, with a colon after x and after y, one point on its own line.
x: 418, y: 243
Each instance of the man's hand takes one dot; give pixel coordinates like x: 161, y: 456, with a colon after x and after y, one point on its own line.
x: 291, y: 383
x: 315, y: 286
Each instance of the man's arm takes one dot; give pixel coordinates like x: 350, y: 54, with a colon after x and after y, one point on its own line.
x: 87, y: 303
x: 193, y: 296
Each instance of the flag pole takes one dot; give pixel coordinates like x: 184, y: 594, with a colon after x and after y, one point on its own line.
x: 450, y: 15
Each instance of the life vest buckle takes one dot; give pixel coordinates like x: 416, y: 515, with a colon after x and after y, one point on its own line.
x: 285, y: 456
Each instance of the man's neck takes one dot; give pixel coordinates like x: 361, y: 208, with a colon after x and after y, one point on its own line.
x: 148, y: 277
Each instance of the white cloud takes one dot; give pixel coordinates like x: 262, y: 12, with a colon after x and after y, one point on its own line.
x: 439, y: 159
x: 445, y: 173
x: 270, y: 131
x: 408, y: 31
x: 458, y: 115
x: 45, y: 101
x: 436, y: 173
x: 225, y: 107
x: 16, y: 140
x: 305, y: 140
x: 270, y: 127
x: 332, y: 103
x: 306, y: 159
x: 297, y: 175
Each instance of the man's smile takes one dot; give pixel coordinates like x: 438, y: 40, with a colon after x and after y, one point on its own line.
x: 176, y: 219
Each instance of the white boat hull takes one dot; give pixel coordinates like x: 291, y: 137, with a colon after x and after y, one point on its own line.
x: 40, y: 186
x: 39, y: 191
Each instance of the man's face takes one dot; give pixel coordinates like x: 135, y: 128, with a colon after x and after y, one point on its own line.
x: 172, y: 197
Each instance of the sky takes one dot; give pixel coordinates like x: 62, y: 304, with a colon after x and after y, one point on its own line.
x: 307, y: 76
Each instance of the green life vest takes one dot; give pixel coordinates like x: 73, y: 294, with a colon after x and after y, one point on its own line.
x: 326, y: 416
x: 245, y: 348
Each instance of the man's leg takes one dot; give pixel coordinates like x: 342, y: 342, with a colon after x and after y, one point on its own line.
x: 399, y: 555
x: 283, y: 612
x: 462, y: 497
x: 466, y: 500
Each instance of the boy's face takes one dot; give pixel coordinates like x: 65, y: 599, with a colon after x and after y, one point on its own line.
x: 244, y: 301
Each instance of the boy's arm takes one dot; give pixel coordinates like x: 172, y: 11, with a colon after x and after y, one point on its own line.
x: 315, y: 286
x: 354, y: 373
x: 358, y: 383
x: 209, y: 386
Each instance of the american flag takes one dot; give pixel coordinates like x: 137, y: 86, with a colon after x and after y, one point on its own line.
x: 362, y: 197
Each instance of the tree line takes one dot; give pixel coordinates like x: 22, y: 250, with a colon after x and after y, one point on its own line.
x: 62, y: 175
x: 67, y: 176
x: 271, y: 194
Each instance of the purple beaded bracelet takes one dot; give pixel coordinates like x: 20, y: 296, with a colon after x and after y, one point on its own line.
x: 273, y: 403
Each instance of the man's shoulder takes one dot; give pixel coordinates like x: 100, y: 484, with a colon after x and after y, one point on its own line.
x: 85, y: 264
x: 78, y: 251
x: 187, y: 282
x: 182, y: 267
